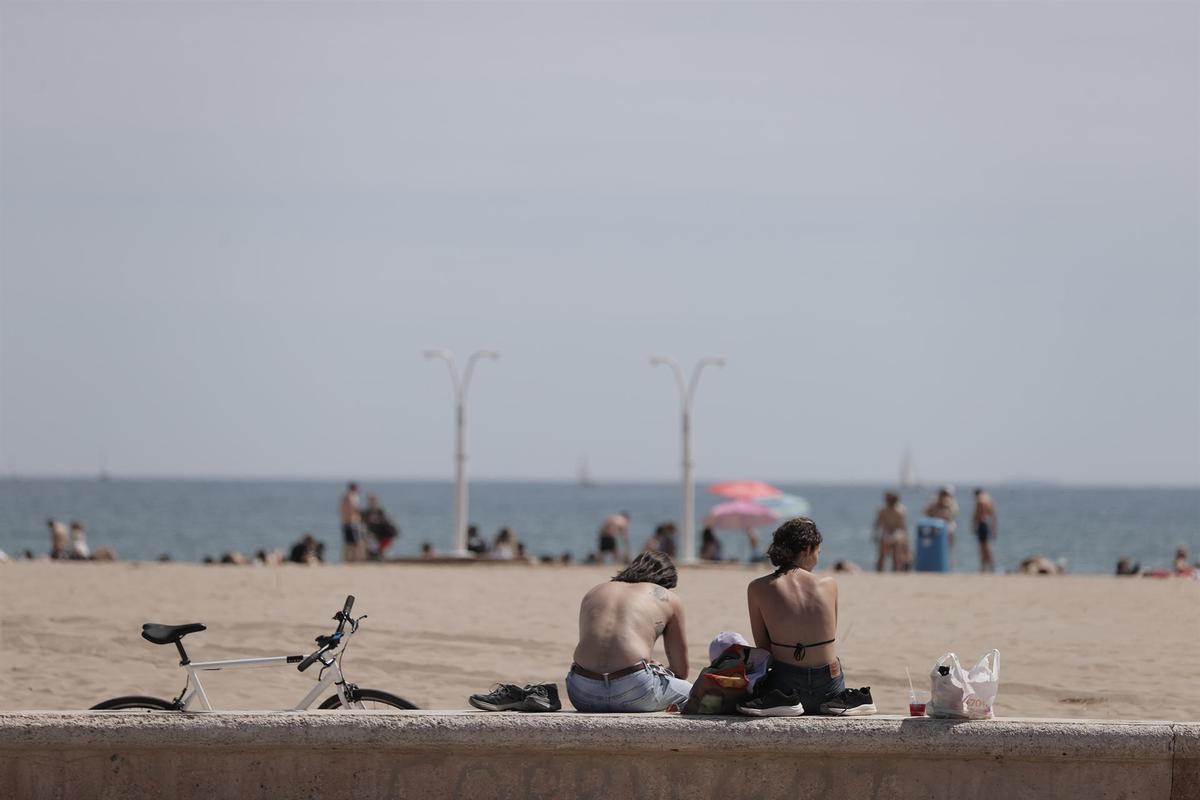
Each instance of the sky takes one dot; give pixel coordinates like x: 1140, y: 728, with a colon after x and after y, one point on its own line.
x: 229, y: 230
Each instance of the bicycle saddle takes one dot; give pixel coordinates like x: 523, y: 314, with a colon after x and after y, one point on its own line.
x: 169, y: 634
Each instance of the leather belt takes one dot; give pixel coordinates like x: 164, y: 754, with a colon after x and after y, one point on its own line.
x: 601, y: 676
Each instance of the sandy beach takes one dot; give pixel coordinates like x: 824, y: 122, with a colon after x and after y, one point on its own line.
x: 1095, y: 646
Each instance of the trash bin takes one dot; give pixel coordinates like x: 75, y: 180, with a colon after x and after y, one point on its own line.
x: 933, y: 545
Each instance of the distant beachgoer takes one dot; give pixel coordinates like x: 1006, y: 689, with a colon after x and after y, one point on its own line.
x: 619, y: 622
x: 849, y: 567
x: 3, y: 556
x: 613, y: 532
x: 379, y: 525
x: 60, y: 543
x: 662, y: 540
x: 354, y: 544
x: 1181, y: 565
x: 306, y: 551
x: 891, y: 534
x: 794, y: 614
x: 565, y: 559
x: 752, y: 545
x: 710, y: 545
x: 475, y: 543
x: 945, y: 507
x: 234, y: 557
x: 1127, y: 566
x: 79, y: 545
x: 505, y: 547
x: 986, y: 525
x: 427, y: 550
x: 1040, y: 565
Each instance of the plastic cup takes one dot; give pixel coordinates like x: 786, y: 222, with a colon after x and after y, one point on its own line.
x: 916, y: 703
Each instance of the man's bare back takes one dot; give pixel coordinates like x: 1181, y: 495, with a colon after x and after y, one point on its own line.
x: 620, y: 622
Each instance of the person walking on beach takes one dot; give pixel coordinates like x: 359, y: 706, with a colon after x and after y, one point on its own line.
x: 986, y: 525
x: 354, y: 543
x: 619, y: 622
x: 891, y: 534
x: 613, y: 532
x: 794, y: 615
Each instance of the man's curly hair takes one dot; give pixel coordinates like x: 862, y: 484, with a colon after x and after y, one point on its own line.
x: 650, y: 567
x: 791, y: 539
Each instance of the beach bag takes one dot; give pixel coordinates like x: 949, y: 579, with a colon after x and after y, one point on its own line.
x: 728, y: 680
x: 955, y: 693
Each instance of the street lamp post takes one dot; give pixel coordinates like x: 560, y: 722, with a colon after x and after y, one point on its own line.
x: 460, y: 433
x: 687, y: 393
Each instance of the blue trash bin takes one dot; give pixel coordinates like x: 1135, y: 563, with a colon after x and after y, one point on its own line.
x: 933, y: 545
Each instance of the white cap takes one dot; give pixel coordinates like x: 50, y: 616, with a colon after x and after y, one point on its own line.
x: 722, y: 642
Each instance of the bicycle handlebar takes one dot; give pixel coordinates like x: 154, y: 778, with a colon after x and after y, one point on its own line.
x: 330, y: 642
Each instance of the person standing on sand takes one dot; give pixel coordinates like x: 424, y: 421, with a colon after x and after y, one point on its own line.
x: 619, y: 622
x: 794, y: 615
x: 945, y: 507
x: 354, y: 543
x: 60, y: 544
x: 613, y: 531
x: 891, y: 534
x: 986, y: 525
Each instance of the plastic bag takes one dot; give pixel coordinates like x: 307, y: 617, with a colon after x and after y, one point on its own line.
x: 957, y: 694
x: 731, y: 678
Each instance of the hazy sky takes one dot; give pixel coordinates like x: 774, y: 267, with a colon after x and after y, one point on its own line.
x: 229, y: 230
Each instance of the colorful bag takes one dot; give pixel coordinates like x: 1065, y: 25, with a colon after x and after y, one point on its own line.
x: 728, y: 680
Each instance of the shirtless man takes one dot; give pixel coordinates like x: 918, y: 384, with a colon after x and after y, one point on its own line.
x: 613, y: 530
x: 619, y: 622
x: 794, y: 614
x: 986, y: 525
x: 891, y: 534
x: 945, y: 507
x: 354, y: 543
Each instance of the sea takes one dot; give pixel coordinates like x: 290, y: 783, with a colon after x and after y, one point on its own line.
x: 1089, y: 529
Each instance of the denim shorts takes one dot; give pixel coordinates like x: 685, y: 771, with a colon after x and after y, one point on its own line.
x: 815, y: 684
x: 649, y: 689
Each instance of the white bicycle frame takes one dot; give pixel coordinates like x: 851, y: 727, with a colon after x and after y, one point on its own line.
x: 196, y: 699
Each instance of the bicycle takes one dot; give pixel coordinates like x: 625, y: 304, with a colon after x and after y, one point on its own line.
x: 193, y: 697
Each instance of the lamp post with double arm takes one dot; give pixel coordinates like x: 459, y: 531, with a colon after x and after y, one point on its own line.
x: 461, y: 384
x: 687, y: 394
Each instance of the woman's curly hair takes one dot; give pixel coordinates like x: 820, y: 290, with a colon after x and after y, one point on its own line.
x: 791, y: 539
x: 650, y: 567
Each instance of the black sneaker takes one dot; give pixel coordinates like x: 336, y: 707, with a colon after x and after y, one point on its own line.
x: 850, y: 703
x: 773, y: 704
x: 504, y: 697
x: 541, y: 697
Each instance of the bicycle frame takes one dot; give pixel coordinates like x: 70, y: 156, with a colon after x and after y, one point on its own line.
x: 194, y: 698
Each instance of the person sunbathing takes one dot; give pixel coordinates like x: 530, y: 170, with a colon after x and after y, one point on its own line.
x: 793, y: 613
x: 619, y: 622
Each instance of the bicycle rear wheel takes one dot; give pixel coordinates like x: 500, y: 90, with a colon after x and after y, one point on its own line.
x: 370, y: 699
x: 134, y: 702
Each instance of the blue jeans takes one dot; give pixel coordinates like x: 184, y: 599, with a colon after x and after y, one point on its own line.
x: 815, y: 684
x: 649, y: 689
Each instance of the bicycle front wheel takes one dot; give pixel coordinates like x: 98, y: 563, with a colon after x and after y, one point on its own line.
x: 134, y: 703
x: 370, y: 699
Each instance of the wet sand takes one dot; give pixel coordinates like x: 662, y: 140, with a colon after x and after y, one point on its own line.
x: 1087, y: 646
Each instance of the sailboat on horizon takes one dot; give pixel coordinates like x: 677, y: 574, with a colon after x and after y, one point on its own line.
x: 908, y: 471
x: 584, y: 478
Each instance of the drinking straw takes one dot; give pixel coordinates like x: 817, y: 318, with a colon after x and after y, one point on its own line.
x: 911, y: 691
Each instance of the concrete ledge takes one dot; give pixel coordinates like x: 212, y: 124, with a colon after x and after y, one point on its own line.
x: 566, y: 755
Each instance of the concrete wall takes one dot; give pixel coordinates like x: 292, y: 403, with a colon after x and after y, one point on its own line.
x: 361, y: 755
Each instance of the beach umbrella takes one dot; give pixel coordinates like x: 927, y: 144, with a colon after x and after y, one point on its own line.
x: 739, y: 515
x: 744, y: 490
x: 786, y: 506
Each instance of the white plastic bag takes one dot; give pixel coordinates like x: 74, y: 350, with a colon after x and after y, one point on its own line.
x: 959, y: 694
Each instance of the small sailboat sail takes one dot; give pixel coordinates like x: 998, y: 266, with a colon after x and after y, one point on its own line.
x: 908, y: 472
x: 585, y: 478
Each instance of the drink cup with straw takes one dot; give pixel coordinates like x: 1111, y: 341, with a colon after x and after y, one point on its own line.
x: 916, y: 703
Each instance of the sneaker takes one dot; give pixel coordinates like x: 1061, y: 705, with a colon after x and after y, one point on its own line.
x: 773, y: 704
x: 504, y: 697
x: 541, y: 697
x: 850, y: 703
